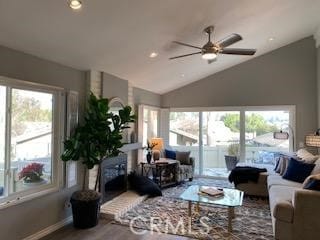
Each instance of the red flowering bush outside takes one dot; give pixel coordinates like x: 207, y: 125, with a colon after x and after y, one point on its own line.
x: 32, y: 172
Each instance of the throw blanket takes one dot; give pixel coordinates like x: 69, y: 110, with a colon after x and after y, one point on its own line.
x: 245, y: 174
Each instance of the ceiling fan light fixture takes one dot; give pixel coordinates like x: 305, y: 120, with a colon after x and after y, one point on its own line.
x: 75, y: 4
x: 209, y: 56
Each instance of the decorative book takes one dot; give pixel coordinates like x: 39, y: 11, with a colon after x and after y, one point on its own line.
x: 211, y: 191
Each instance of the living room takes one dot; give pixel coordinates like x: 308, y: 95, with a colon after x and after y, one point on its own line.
x: 54, y: 53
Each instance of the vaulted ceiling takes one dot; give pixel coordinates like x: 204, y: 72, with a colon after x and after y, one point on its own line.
x: 117, y: 36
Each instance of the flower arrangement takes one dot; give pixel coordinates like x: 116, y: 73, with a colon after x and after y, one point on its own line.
x: 150, y: 146
x: 32, y: 173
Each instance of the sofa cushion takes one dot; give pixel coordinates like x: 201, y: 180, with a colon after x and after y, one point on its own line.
x: 183, y: 157
x: 298, y: 171
x: 277, y: 180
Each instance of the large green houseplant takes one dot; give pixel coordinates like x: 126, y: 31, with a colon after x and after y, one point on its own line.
x: 99, y: 137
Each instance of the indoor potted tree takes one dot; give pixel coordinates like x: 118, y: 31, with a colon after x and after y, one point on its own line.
x: 100, y: 136
x: 233, y: 156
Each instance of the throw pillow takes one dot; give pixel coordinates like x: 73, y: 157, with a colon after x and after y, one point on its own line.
x: 312, y: 182
x: 183, y: 157
x: 144, y: 185
x: 306, y: 156
x: 284, y: 165
x: 316, y: 169
x: 170, y: 154
x: 278, y: 168
x: 312, y: 176
x: 277, y: 163
x: 298, y: 171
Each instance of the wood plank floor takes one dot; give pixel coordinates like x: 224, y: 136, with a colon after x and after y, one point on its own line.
x: 106, y: 230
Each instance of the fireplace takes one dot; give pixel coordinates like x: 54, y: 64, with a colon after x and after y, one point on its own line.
x: 113, y: 179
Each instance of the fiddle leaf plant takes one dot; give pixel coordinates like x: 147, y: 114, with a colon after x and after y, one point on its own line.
x: 100, y: 135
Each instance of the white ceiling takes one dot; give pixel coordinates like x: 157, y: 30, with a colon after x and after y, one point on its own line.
x: 117, y: 36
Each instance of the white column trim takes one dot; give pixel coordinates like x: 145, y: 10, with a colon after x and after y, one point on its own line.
x: 316, y: 37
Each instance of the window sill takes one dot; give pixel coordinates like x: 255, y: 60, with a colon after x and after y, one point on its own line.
x: 18, y: 200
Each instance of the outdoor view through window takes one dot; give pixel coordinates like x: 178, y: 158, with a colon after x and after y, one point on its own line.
x: 28, y: 157
x: 220, y: 135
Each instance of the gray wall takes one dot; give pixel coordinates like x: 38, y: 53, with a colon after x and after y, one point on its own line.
x: 141, y: 96
x: 25, y: 219
x: 318, y: 82
x: 113, y: 86
x: 286, y: 76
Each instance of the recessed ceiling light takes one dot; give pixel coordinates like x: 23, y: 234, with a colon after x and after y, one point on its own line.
x: 75, y: 4
x: 153, y: 55
x: 271, y: 39
x: 182, y: 75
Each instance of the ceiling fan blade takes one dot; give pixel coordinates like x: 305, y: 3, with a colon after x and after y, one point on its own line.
x: 186, y: 55
x: 238, y: 51
x: 231, y: 39
x: 211, y: 61
x: 187, y: 45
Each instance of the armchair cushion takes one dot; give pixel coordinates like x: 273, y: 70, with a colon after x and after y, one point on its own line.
x: 183, y: 158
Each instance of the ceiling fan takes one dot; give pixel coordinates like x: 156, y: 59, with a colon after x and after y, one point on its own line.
x: 210, y: 50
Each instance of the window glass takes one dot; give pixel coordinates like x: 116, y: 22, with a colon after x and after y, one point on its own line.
x: 31, y: 139
x: 184, y: 133
x: 221, y: 137
x: 2, y: 138
x: 259, y: 129
x: 150, y: 124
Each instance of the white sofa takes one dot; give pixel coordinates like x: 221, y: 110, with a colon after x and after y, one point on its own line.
x: 295, y: 211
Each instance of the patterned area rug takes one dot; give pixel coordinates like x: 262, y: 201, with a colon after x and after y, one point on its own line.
x: 169, y: 214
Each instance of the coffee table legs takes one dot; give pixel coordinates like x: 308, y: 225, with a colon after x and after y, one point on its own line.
x: 230, y: 217
x: 189, y: 209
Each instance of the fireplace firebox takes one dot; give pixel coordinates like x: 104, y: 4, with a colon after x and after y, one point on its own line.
x: 113, y: 178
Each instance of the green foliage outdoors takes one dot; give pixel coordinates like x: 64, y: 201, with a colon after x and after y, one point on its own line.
x: 27, y: 109
x: 100, y: 135
x: 254, y: 123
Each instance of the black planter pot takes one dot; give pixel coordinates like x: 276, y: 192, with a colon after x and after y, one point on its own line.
x: 149, y: 156
x: 231, y: 162
x: 85, y: 208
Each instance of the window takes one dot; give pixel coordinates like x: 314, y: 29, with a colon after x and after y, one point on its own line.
x: 212, y: 133
x: 259, y: 128
x: 149, y: 123
x: 184, y: 133
x: 29, y: 139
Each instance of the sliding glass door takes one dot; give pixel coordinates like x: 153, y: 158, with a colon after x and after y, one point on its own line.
x: 184, y: 134
x: 220, y: 132
x: 259, y: 129
x: 247, y: 132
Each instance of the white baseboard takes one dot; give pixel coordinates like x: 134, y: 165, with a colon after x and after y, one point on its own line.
x: 50, y: 229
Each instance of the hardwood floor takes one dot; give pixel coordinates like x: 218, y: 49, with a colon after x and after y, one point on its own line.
x: 106, y: 230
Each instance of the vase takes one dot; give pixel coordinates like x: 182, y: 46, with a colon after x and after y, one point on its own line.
x: 34, y: 183
x: 149, y: 156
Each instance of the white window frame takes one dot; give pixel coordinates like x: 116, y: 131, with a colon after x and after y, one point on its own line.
x: 56, y: 148
x: 242, y: 109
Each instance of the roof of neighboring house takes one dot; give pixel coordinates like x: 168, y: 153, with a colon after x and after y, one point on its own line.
x: 267, y: 139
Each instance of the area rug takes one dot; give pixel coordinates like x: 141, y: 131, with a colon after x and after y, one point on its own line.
x: 169, y: 214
